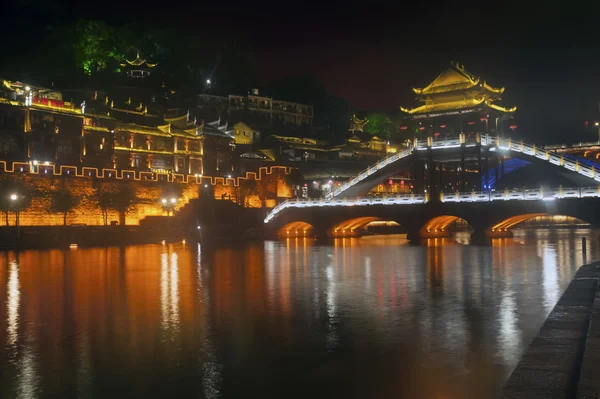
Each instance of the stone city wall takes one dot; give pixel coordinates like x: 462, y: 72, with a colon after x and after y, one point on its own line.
x: 268, y: 186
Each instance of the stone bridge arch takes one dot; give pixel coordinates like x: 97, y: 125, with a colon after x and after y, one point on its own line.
x: 504, y: 228
x: 415, y: 219
x: 296, y: 229
x: 438, y: 226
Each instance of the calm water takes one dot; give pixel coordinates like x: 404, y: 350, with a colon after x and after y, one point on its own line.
x: 371, y: 317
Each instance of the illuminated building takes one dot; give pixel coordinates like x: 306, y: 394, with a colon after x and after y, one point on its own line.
x: 138, y: 68
x: 254, y: 109
x: 357, y: 125
x: 458, y: 102
x: 38, y: 127
x: 299, y: 148
x: 359, y: 148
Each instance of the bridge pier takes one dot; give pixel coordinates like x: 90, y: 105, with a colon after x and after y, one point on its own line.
x: 419, y: 172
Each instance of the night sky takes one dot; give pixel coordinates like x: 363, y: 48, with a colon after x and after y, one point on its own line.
x: 546, y: 54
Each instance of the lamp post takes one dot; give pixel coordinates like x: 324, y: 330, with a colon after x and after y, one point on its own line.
x: 169, y: 205
x: 597, y: 124
x: 13, y: 199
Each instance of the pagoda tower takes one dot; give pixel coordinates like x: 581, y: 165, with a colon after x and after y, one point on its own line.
x: 458, y: 102
x: 138, y: 68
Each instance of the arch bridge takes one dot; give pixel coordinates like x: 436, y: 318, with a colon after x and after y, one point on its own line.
x: 421, y: 157
x: 490, y: 215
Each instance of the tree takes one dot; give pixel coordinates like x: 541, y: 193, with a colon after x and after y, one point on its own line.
x: 63, y: 201
x: 380, y: 124
x: 15, y: 196
x: 236, y: 70
x: 331, y: 113
x: 247, y: 188
x: 305, y: 89
x: 123, y: 200
x: 97, y: 46
x: 334, y: 116
x: 103, y: 199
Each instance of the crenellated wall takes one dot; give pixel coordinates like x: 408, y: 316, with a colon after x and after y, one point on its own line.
x: 271, y: 185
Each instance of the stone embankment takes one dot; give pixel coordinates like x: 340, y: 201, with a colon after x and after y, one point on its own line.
x: 563, y: 360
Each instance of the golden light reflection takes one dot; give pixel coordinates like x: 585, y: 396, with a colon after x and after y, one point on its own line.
x: 169, y: 291
x: 13, y: 303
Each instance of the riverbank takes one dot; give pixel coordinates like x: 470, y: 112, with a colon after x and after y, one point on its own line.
x: 563, y: 360
x: 44, y: 237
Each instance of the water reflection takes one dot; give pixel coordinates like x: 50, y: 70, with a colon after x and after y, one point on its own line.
x: 362, y: 317
x: 169, y: 292
x: 12, y: 303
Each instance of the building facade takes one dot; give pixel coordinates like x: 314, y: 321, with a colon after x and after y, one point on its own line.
x: 38, y: 127
x: 254, y: 109
x: 458, y: 102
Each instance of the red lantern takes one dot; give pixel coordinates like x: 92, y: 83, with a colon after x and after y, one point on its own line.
x: 443, y: 126
x: 471, y: 122
x: 403, y: 127
x: 391, y: 182
x: 513, y: 127
x: 483, y: 119
x: 436, y: 134
x: 422, y: 128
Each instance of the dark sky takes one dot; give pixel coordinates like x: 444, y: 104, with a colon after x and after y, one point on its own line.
x: 546, y: 54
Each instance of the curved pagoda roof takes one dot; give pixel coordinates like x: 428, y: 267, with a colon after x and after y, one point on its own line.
x: 138, y: 62
x: 456, y: 78
x: 456, y: 91
x: 460, y: 106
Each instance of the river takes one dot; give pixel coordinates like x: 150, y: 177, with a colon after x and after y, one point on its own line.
x: 372, y: 317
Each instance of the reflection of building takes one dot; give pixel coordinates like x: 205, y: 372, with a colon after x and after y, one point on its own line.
x: 458, y: 102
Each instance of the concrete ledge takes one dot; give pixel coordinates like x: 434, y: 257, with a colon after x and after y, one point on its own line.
x: 552, y: 365
x: 588, y: 386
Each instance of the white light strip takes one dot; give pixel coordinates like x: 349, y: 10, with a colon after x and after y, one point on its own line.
x: 475, y: 196
x: 493, y: 143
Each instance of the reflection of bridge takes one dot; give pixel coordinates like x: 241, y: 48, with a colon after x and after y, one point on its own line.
x: 491, y: 213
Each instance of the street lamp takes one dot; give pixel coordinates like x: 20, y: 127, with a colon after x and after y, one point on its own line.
x: 169, y: 205
x: 597, y: 124
x: 14, y: 197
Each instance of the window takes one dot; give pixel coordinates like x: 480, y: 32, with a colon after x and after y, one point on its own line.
x: 64, y: 147
x: 9, y: 146
x: 137, y: 160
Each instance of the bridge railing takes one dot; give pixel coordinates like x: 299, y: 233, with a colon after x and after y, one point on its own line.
x: 402, y: 199
x: 474, y: 196
x: 522, y: 195
x: 372, y: 169
x: 583, y: 167
x: 575, y: 145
